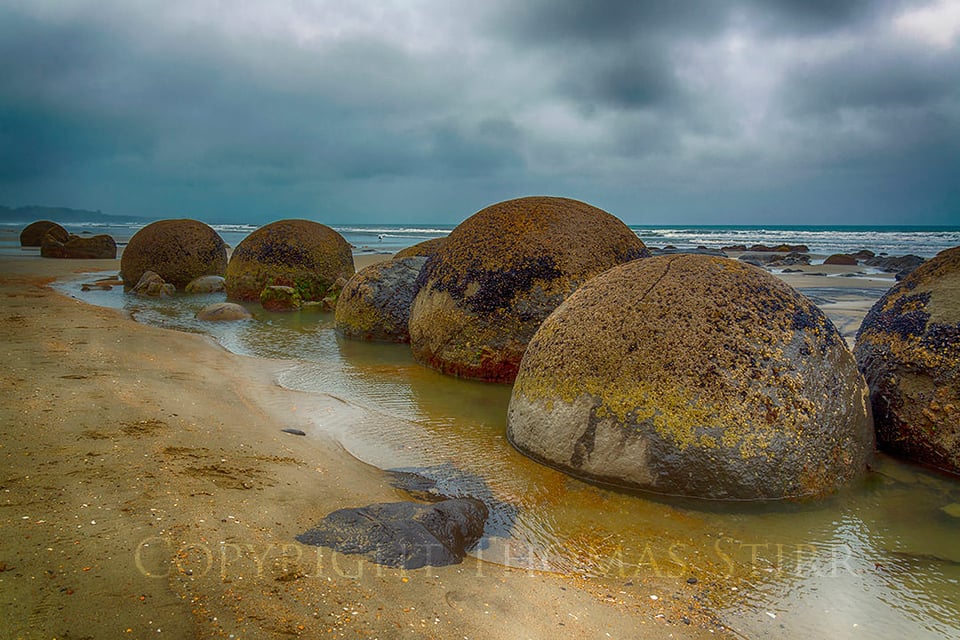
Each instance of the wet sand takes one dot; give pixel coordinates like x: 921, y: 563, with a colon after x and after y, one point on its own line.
x: 147, y: 490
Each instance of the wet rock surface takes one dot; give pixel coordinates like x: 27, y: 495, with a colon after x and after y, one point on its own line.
x: 693, y: 376
x: 908, y: 348
x: 34, y: 233
x: 375, y: 304
x: 98, y: 247
x: 403, y: 534
x: 500, y: 273
x: 178, y: 250
x: 223, y: 312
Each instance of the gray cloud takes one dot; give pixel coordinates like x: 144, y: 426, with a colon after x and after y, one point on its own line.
x: 698, y: 111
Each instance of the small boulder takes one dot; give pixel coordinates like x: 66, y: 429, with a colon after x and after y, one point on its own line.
x: 223, y: 312
x: 863, y: 254
x: 841, y: 259
x: 151, y: 285
x: 34, y: 233
x: 423, y: 249
x: 693, y: 376
x: 308, y: 256
x: 908, y: 348
x: 375, y: 304
x: 900, y: 265
x: 280, y: 298
x: 178, y: 250
x: 404, y: 534
x: 99, y: 247
x: 205, y: 284
x: 500, y: 273
x: 735, y: 248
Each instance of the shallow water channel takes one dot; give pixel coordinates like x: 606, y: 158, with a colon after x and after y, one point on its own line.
x: 879, y: 559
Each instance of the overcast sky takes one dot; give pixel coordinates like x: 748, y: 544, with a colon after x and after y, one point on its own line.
x: 716, y: 112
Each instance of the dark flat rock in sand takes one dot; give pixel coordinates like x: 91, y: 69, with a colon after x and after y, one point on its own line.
x: 403, y: 534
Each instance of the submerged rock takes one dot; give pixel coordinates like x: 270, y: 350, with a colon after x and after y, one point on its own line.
x: 908, y: 347
x: 178, y: 250
x: 151, y: 285
x: 34, y: 233
x: 308, y: 256
x: 693, y: 376
x: 404, y: 534
x: 375, y: 304
x: 98, y: 247
x: 223, y: 312
x: 500, y: 273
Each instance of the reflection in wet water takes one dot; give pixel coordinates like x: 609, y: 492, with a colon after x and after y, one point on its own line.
x: 878, y: 559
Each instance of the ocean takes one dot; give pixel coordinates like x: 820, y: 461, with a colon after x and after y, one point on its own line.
x: 923, y: 241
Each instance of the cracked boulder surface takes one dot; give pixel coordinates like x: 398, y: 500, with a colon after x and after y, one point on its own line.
x: 495, y: 278
x: 375, y: 303
x: 310, y: 257
x: 693, y: 376
x: 908, y: 348
x: 177, y: 250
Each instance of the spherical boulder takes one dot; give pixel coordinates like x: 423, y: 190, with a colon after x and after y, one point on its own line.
x: 908, y: 348
x: 305, y: 255
x: 424, y: 249
x: 178, y: 250
x: 98, y: 247
x: 500, y: 273
x: 375, y: 304
x: 693, y: 376
x: 223, y: 312
x: 33, y: 234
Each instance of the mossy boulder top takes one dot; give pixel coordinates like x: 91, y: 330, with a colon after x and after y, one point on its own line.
x: 501, y: 272
x: 310, y: 257
x: 422, y: 249
x: 908, y: 348
x: 177, y: 250
x: 375, y: 304
x: 34, y: 233
x: 693, y: 376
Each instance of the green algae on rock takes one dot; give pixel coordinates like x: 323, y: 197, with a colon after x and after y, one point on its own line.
x: 177, y: 250
x: 693, y: 376
x: 310, y: 257
x: 908, y: 348
x: 375, y: 304
x: 501, y: 272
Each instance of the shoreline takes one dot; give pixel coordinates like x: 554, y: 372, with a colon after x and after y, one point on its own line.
x: 146, y: 476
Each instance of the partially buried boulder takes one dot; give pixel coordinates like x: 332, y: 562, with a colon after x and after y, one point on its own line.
x: 693, y: 376
x: 151, y: 285
x: 178, y: 250
x: 205, y: 284
x: 423, y: 249
x: 404, y: 534
x: 34, y: 233
x: 280, y: 298
x: 500, y: 273
x: 841, y: 259
x: 308, y: 256
x: 99, y: 247
x: 375, y: 304
x: 223, y: 312
x: 908, y: 347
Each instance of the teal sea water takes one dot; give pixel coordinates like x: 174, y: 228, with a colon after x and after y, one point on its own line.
x: 879, y: 559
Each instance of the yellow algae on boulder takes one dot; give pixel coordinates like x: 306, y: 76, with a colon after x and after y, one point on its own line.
x: 177, y: 250
x: 908, y: 348
x: 693, y: 376
x: 501, y: 272
x: 310, y: 257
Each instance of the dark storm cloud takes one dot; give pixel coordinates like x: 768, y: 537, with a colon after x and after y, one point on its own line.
x: 145, y: 107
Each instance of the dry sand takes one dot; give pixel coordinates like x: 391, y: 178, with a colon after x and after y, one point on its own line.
x: 146, y: 490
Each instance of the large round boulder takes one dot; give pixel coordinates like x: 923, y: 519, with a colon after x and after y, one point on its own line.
x: 177, y: 250
x: 375, y: 304
x: 310, y: 257
x: 908, y: 348
x: 693, y: 376
x: 500, y: 273
x: 34, y: 233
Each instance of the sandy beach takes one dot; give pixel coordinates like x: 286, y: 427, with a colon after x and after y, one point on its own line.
x: 147, y: 490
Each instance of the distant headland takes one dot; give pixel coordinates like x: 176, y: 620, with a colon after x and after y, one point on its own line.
x: 29, y: 213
